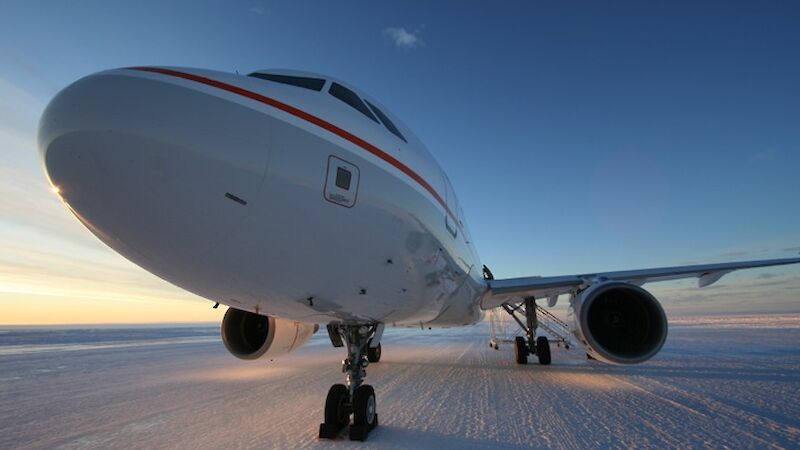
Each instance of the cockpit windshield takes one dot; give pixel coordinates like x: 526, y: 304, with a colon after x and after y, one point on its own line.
x: 315, y: 84
x: 386, y: 121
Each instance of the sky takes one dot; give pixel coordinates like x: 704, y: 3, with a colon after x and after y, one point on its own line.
x: 580, y: 136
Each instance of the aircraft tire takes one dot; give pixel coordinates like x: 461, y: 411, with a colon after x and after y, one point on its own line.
x: 335, y: 406
x: 365, y: 417
x: 543, y: 350
x: 520, y: 350
x: 374, y: 354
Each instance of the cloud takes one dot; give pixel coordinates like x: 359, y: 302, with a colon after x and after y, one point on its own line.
x: 765, y: 155
x: 403, y: 38
x: 50, y: 265
x: 766, y: 250
x: 742, y: 293
x: 19, y: 112
x: 258, y: 9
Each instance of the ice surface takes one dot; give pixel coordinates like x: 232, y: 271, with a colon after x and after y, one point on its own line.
x: 720, y: 381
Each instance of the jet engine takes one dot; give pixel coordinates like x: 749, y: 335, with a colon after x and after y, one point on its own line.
x: 620, y: 323
x: 249, y: 336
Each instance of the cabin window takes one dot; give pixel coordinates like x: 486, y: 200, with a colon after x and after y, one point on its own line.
x: 315, y: 84
x: 350, y: 97
x: 343, y: 177
x: 386, y: 121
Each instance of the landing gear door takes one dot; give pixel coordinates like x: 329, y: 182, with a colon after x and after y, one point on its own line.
x: 341, y: 182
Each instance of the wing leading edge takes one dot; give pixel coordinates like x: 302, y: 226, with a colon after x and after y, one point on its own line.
x: 507, y: 290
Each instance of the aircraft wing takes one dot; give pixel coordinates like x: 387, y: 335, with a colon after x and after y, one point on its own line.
x: 513, y: 289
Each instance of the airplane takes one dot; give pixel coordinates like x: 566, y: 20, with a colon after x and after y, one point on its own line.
x: 297, y: 200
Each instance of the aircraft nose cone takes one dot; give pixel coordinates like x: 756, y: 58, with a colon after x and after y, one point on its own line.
x: 90, y: 141
x: 145, y: 162
x: 68, y: 137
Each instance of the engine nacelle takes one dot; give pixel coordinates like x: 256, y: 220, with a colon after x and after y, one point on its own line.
x: 249, y: 336
x: 620, y: 323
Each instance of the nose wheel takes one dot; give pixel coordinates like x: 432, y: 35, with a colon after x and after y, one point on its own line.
x: 374, y: 354
x: 337, y: 413
x: 354, y: 398
x: 365, y: 419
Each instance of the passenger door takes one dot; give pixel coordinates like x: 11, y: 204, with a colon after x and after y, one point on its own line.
x: 452, y: 205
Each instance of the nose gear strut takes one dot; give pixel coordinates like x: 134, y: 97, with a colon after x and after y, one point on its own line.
x: 353, y: 397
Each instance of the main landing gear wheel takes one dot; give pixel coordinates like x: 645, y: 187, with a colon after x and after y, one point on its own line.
x: 521, y: 350
x: 530, y: 344
x: 374, y: 354
x: 365, y: 419
x: 543, y: 350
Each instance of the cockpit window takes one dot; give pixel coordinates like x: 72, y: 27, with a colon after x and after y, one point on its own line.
x: 315, y: 84
x: 350, y: 97
x: 386, y: 121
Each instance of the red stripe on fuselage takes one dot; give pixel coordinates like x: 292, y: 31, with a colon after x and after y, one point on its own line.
x: 344, y: 134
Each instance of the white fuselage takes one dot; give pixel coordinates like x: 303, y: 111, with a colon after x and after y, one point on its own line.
x: 227, y: 186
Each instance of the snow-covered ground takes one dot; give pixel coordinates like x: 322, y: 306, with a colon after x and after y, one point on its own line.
x: 722, y: 381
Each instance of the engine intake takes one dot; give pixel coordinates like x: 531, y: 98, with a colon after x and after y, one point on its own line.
x: 248, y: 335
x: 620, y: 323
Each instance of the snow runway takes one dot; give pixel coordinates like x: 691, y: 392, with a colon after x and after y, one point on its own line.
x: 724, y: 381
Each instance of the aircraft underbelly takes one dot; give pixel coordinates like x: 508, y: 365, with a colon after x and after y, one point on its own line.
x: 301, y: 256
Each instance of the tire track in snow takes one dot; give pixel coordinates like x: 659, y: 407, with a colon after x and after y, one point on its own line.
x: 721, y: 411
x: 442, y: 389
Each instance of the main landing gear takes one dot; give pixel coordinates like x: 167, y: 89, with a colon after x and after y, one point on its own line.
x: 353, y: 397
x: 530, y: 344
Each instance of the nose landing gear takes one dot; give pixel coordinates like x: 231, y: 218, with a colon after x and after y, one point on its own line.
x: 353, y: 398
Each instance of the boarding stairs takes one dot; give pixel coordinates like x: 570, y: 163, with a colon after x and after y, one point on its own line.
x: 557, y: 330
